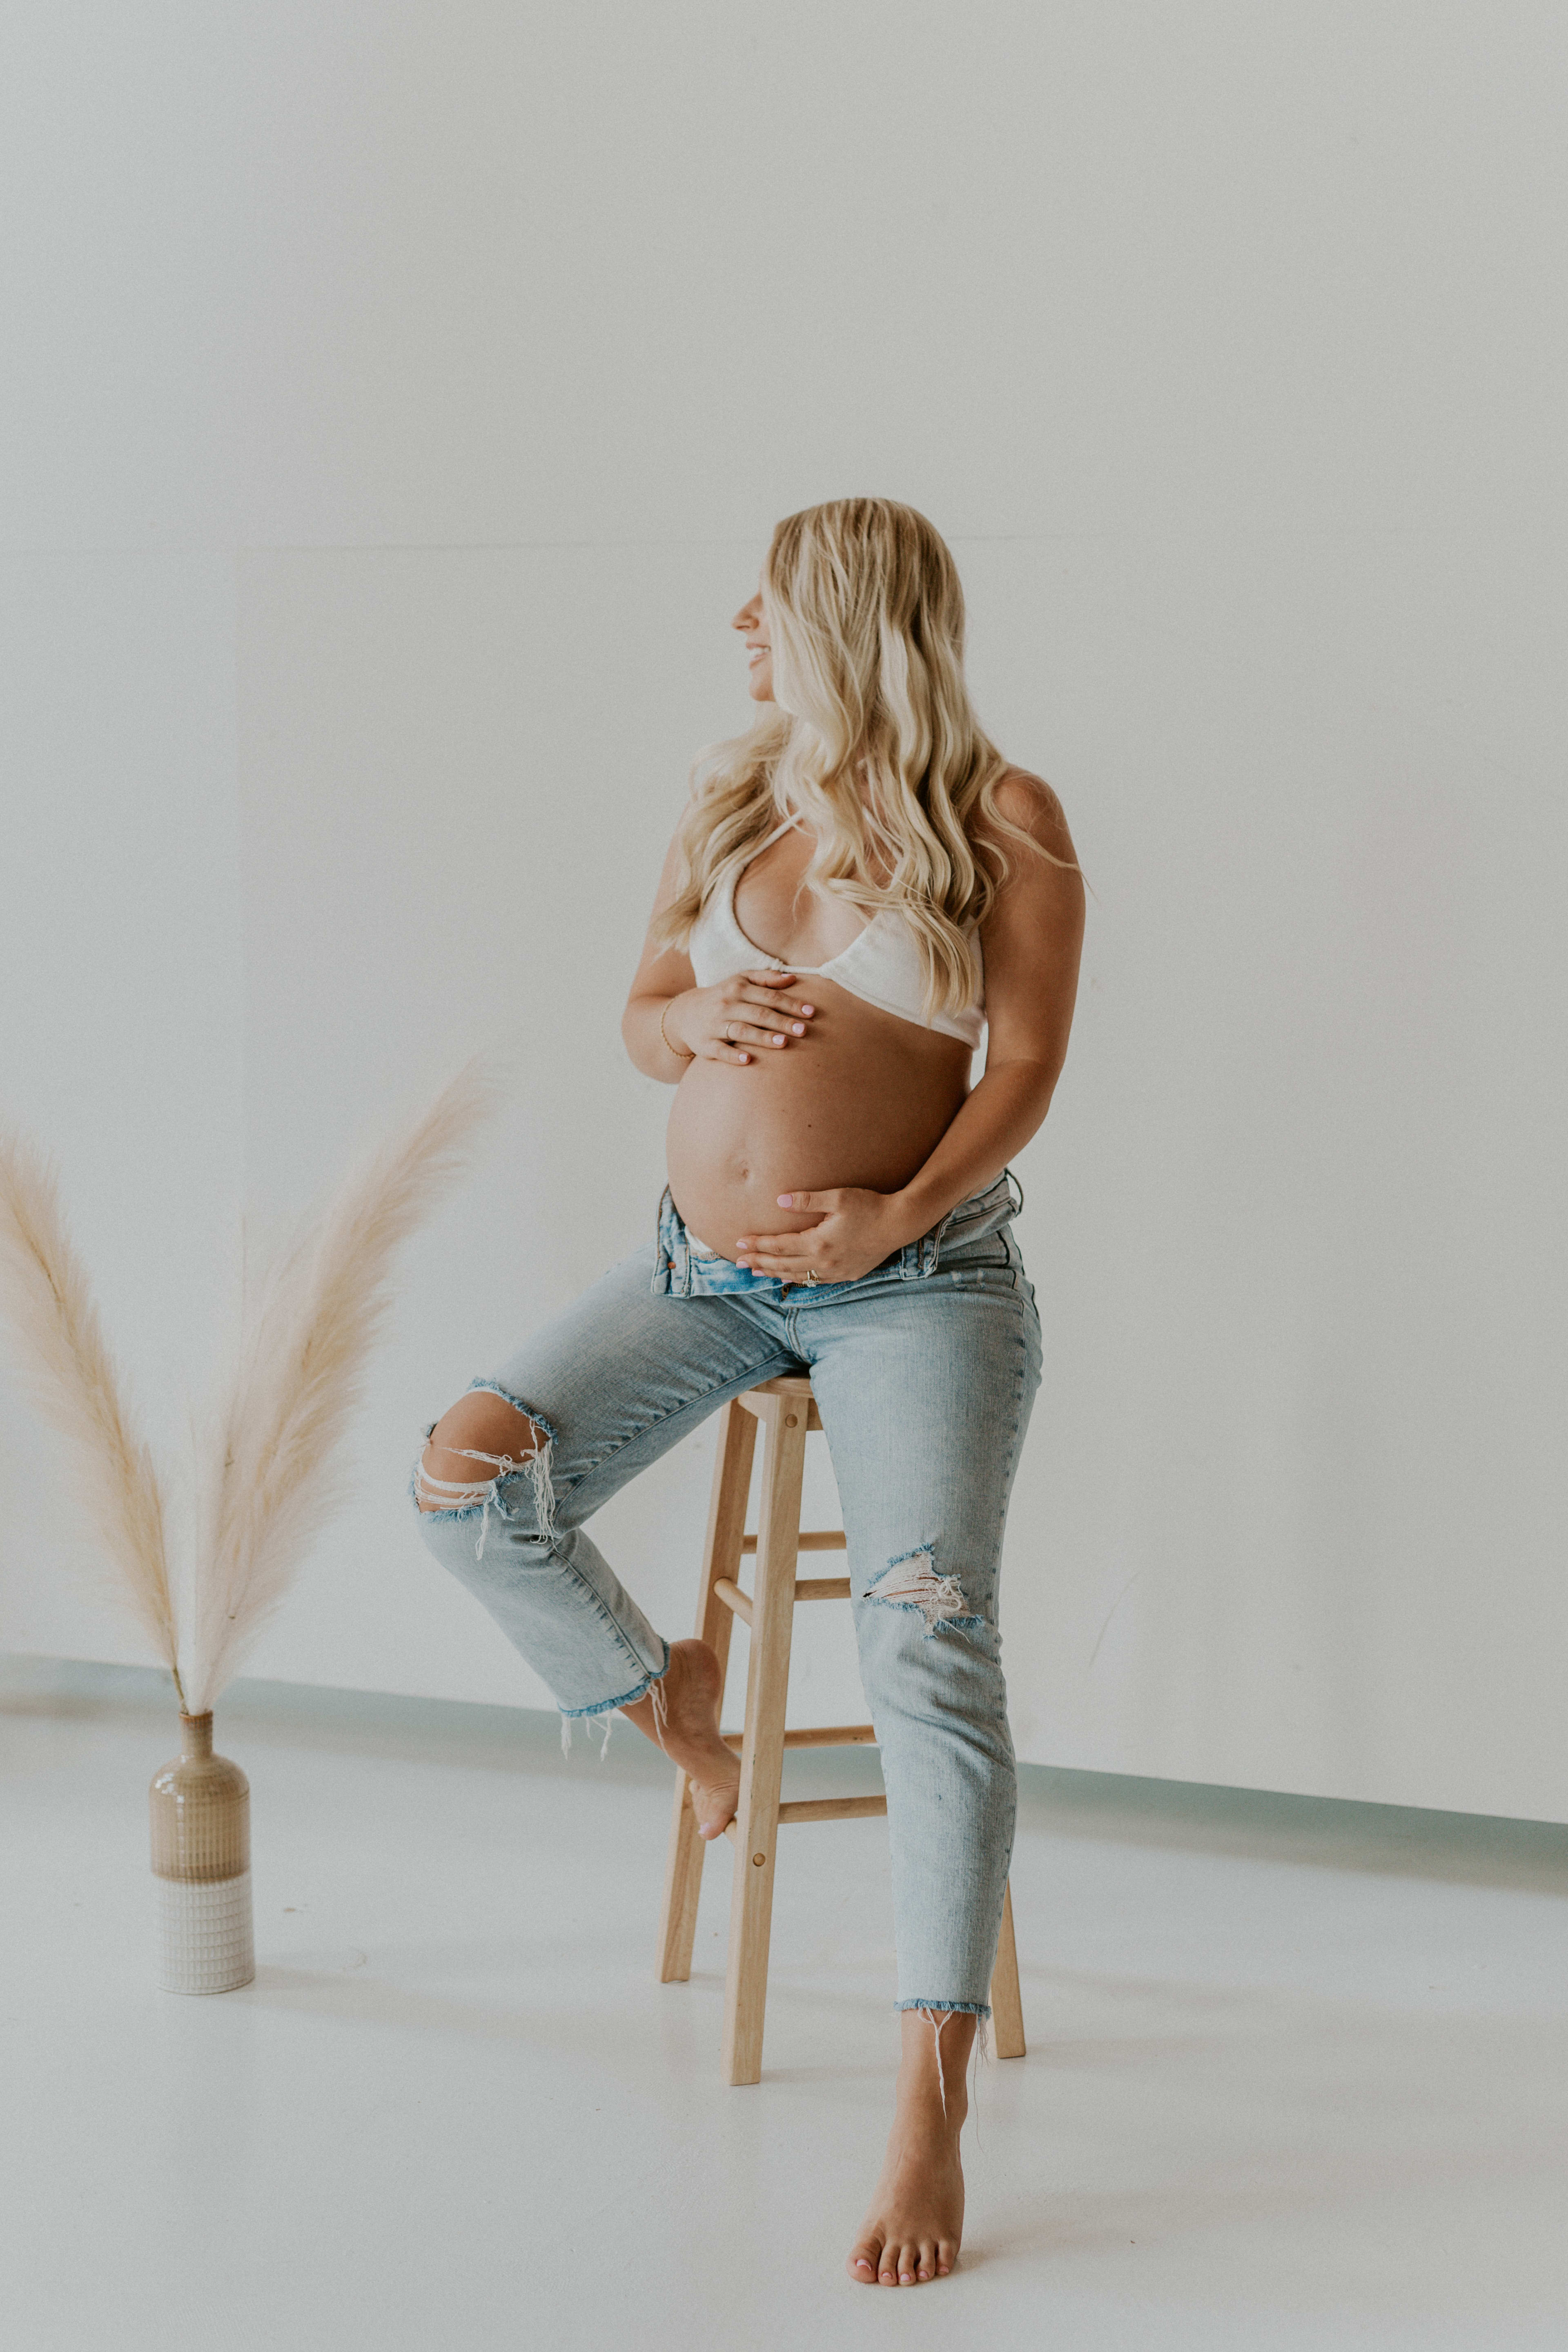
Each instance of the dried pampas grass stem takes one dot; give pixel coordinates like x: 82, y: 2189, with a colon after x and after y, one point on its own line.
x: 44, y: 1292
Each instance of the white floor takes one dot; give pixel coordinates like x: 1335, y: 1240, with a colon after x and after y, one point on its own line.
x: 1298, y: 2073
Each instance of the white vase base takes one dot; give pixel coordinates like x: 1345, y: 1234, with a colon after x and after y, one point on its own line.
x: 206, y: 1940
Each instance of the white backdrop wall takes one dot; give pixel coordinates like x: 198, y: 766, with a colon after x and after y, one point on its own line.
x: 400, y: 398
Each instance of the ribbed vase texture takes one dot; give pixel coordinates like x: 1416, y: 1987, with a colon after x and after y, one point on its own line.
x: 201, y: 1867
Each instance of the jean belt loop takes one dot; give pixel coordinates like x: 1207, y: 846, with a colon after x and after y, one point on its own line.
x: 1013, y: 1186
x: 934, y: 1240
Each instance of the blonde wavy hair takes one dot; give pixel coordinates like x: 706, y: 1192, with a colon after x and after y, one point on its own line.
x: 872, y: 740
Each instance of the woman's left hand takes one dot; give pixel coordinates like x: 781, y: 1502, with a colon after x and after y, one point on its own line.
x: 856, y: 1230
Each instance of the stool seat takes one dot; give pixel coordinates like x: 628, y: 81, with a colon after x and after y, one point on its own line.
x: 785, y: 1411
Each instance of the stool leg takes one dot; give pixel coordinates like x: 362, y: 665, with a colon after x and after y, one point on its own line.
x: 762, y: 1755
x: 721, y: 1558
x: 1007, y: 2001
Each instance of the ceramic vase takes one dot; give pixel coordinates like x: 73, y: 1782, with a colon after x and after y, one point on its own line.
x: 201, y: 1867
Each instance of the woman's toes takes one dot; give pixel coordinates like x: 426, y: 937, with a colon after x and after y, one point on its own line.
x: 862, y: 2262
x: 927, y: 2266
x: 946, y: 2255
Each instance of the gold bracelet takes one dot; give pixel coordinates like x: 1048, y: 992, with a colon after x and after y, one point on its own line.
x: 668, y: 1047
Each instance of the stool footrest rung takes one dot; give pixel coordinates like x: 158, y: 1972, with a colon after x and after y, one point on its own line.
x: 809, y: 1539
x: 833, y: 1809
x: 823, y: 1809
x: 825, y: 1735
x: 806, y: 1588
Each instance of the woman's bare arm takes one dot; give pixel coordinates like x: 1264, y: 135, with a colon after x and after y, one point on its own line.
x: 663, y: 974
x: 1032, y: 943
x: 748, y: 1013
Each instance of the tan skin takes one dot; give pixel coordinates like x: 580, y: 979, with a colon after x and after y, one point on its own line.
x: 812, y: 1132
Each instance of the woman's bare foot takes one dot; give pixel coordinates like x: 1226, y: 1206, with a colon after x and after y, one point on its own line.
x: 915, y: 2221
x: 684, y: 1721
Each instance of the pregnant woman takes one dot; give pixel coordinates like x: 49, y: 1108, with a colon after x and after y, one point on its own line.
x: 858, y: 886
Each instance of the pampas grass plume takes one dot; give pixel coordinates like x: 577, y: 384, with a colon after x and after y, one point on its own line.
x: 272, y: 1476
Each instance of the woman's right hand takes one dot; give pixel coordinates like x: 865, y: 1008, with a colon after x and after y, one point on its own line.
x: 738, y: 1017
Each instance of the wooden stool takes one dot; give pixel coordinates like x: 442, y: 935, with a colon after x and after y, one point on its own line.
x: 787, y: 1411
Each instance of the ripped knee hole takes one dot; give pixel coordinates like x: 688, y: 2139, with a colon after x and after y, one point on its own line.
x: 498, y: 1436
x: 913, y: 1582
x: 483, y: 1429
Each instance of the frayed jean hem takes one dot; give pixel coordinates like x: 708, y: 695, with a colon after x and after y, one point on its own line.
x: 627, y: 1698
x: 948, y: 2008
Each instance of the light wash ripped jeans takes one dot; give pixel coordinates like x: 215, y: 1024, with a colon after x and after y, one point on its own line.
x: 924, y: 1372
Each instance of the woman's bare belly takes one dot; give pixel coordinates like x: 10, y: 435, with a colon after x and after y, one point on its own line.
x: 862, y: 1099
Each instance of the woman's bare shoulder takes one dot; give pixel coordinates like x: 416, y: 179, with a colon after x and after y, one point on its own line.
x: 1028, y: 802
